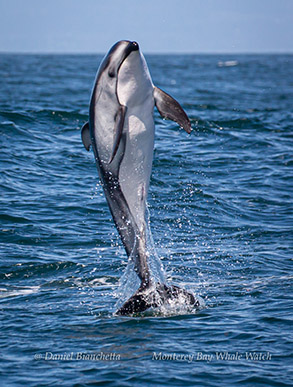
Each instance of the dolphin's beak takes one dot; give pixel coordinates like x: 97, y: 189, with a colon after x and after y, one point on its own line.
x: 132, y: 46
x: 135, y: 46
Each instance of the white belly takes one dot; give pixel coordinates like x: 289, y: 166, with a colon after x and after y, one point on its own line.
x: 136, y: 166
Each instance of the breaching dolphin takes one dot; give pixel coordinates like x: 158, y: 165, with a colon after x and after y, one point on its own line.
x: 121, y: 132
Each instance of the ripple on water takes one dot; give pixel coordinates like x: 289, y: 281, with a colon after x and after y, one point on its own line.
x: 220, y: 211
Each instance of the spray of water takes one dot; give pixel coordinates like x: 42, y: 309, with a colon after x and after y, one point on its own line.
x: 130, y: 282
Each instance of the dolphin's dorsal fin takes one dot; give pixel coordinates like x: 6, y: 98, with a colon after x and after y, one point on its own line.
x: 170, y: 109
x: 118, y: 129
x: 85, y: 136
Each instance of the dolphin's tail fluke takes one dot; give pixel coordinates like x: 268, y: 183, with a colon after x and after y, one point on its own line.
x: 155, y: 296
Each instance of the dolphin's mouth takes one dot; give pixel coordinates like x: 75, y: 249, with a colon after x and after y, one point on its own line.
x: 132, y: 46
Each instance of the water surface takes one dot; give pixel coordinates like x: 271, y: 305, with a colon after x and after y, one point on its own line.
x: 221, y: 215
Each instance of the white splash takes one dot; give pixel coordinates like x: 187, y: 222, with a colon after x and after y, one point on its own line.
x: 21, y: 291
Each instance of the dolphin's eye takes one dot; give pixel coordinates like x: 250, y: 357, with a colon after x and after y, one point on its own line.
x: 111, y: 73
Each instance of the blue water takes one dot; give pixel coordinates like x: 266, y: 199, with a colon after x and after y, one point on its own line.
x: 220, y: 205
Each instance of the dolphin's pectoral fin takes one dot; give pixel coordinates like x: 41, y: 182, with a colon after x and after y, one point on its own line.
x: 170, y: 109
x: 85, y: 136
x: 147, y: 297
x: 118, y: 129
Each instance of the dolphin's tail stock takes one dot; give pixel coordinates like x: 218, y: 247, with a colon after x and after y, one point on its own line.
x: 151, y: 293
x: 155, y: 295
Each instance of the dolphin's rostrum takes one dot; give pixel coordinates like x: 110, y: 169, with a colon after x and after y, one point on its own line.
x: 121, y: 133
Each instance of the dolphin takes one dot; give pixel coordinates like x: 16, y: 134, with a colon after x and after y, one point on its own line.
x: 121, y: 133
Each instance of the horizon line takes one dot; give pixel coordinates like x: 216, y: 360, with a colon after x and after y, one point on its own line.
x: 149, y: 53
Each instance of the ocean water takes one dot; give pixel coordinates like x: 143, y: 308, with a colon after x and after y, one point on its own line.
x: 220, y: 205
